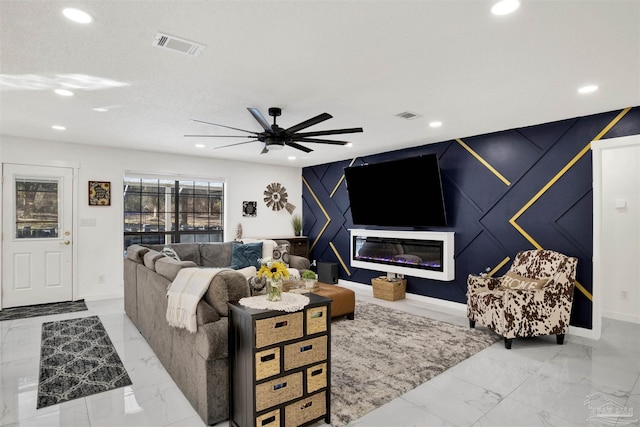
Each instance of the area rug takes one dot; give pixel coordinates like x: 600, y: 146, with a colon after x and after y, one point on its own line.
x: 77, y: 359
x: 42, y: 310
x: 384, y: 353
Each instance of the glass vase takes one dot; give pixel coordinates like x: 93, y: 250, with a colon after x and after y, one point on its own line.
x: 274, y: 289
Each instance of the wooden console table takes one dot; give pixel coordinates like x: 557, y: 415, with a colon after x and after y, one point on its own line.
x: 280, y: 365
x: 299, y: 245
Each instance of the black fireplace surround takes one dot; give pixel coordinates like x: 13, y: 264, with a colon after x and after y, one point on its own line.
x: 420, y: 254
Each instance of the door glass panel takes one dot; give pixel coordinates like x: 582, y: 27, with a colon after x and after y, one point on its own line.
x: 37, y: 213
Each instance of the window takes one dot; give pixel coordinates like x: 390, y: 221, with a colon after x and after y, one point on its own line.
x: 161, y: 210
x: 37, y: 213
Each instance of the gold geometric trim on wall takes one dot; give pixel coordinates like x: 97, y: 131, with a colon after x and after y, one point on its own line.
x: 340, y: 260
x: 483, y: 161
x: 326, y: 215
x: 553, y: 180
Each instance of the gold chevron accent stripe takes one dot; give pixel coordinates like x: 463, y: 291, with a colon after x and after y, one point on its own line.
x: 498, y: 267
x: 340, y: 260
x: 315, y: 241
x: 340, y: 180
x: 553, y: 180
x: 484, y: 162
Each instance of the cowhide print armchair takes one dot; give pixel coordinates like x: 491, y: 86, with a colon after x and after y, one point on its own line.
x: 533, y: 298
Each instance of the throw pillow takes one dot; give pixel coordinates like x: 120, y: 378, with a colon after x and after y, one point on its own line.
x: 512, y: 280
x: 281, y: 253
x: 167, y: 251
x: 246, y: 255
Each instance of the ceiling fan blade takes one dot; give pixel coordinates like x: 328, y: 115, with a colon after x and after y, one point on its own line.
x: 223, y: 126
x: 299, y: 147
x: 312, y: 121
x: 320, y: 141
x: 260, y: 118
x: 237, y: 143
x: 329, y: 132
x: 218, y: 136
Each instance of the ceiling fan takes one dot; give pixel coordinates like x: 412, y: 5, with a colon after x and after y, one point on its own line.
x: 275, y: 137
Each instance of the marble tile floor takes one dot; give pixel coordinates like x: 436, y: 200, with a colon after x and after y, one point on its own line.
x: 536, y: 383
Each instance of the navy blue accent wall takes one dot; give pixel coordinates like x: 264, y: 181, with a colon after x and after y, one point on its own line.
x: 556, y: 208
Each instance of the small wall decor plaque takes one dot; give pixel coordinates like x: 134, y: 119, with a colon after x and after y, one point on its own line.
x: 99, y: 193
x: 249, y: 208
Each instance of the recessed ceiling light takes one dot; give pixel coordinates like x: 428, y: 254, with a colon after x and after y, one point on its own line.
x: 435, y: 124
x: 58, y: 127
x: 349, y: 144
x: 77, y: 15
x: 588, y: 89
x: 100, y: 109
x: 63, y: 92
x: 291, y: 157
x: 200, y: 145
x: 505, y: 7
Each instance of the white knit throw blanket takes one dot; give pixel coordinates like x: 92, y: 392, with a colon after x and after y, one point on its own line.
x: 185, y: 292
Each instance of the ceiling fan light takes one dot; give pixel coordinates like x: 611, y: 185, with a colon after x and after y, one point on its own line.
x: 274, y: 147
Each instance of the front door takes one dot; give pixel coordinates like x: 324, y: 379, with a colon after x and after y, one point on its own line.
x: 37, y: 242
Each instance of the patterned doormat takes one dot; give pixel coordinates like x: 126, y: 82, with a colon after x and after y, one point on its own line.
x: 384, y: 353
x: 77, y: 359
x: 42, y: 310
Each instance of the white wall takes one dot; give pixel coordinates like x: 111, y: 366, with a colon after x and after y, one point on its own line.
x: 617, y: 255
x: 99, y: 249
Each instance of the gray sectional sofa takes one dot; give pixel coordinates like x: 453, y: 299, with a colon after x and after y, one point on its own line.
x: 197, y: 362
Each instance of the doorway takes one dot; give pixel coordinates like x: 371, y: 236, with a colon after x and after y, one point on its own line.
x: 37, y: 245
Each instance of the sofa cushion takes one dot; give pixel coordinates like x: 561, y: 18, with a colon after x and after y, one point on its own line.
x: 281, y: 253
x: 170, y: 252
x: 150, y: 259
x: 246, y: 255
x: 168, y: 267
x: 513, y: 280
x: 185, y: 251
x: 136, y: 253
x: 267, y: 246
x: 217, y: 254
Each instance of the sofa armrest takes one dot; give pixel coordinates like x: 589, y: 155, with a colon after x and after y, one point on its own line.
x: 298, y: 262
x: 227, y: 285
x: 477, y: 284
x: 136, y: 253
x: 205, y: 313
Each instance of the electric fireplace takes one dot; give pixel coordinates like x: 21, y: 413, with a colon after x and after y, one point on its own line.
x: 411, y: 253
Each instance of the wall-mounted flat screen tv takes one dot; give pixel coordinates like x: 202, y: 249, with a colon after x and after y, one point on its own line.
x: 397, y: 193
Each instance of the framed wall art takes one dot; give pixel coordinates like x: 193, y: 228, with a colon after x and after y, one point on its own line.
x: 249, y: 208
x: 99, y: 193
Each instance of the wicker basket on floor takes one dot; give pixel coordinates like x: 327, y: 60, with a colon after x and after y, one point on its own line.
x: 389, y: 290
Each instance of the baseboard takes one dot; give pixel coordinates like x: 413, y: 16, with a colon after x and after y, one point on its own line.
x: 113, y: 295
x: 459, y: 308
x: 625, y: 317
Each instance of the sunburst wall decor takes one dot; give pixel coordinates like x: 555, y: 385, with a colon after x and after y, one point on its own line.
x: 275, y: 197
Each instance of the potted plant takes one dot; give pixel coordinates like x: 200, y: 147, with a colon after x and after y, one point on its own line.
x: 309, y: 278
x: 296, y: 222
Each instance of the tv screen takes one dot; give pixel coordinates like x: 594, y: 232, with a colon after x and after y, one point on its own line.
x: 398, y: 193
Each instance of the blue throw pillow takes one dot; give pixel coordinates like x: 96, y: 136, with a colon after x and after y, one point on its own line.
x: 245, y: 255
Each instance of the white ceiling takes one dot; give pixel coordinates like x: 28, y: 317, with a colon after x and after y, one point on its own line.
x: 361, y: 61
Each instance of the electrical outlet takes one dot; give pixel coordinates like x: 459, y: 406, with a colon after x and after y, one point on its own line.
x: 624, y: 295
x: 101, y: 279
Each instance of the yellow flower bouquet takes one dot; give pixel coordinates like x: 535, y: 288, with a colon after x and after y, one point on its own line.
x: 274, y: 272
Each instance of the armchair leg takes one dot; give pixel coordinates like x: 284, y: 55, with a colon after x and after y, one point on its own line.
x: 507, y: 343
x: 472, y: 323
x: 560, y: 339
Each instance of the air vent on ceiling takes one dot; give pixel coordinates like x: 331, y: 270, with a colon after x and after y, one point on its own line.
x: 166, y: 41
x: 408, y: 115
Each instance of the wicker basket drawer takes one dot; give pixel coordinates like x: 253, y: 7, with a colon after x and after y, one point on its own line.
x: 305, y: 410
x: 316, y: 377
x: 270, y: 419
x: 316, y: 320
x: 267, y: 363
x: 305, y: 352
x: 278, y: 390
x: 278, y: 329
